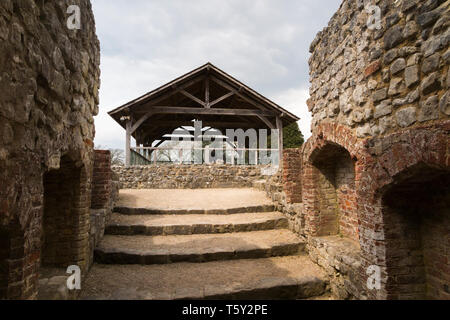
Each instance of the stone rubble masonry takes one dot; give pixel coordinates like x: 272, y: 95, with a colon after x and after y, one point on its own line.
x: 188, y: 176
x: 391, y: 86
x: 49, y: 80
x: 285, y: 189
x: 410, y: 55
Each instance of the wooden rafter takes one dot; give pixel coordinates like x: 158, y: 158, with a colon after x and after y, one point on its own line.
x: 141, y: 121
x: 267, y: 122
x: 204, y: 111
x: 207, y: 104
x: 222, y: 98
x: 238, y: 93
x: 192, y: 97
x: 213, y: 124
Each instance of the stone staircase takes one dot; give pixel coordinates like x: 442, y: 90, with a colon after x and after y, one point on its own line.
x: 242, y: 252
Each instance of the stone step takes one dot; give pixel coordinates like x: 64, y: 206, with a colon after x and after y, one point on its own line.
x: 154, y: 225
x: 115, y: 249
x: 259, y: 185
x: 219, y: 211
x: 292, y: 277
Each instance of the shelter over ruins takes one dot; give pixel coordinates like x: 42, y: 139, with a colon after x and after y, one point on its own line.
x: 207, y: 94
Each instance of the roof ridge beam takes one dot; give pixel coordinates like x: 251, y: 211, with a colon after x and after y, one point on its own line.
x: 204, y: 111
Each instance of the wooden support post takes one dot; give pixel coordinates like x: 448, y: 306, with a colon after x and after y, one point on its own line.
x: 280, y: 140
x: 155, y: 156
x: 207, y: 154
x: 207, y: 93
x: 128, y: 144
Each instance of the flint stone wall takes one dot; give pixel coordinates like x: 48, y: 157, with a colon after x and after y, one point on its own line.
x: 381, y: 81
x: 383, y: 96
x: 188, y: 176
x: 49, y: 80
x: 284, y: 188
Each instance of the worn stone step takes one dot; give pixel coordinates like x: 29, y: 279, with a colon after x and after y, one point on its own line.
x: 115, y: 249
x: 154, y: 225
x: 292, y: 277
x: 218, y: 211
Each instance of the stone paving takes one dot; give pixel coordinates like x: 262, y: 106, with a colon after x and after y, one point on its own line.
x: 182, y: 224
x: 188, y: 199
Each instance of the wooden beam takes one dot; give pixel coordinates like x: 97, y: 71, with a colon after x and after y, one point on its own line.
x: 267, y: 122
x: 213, y: 124
x: 204, y: 111
x: 128, y: 144
x: 207, y: 105
x: 141, y: 121
x: 222, y: 98
x: 190, y: 96
x: 280, y: 140
x: 238, y: 93
x: 145, y: 97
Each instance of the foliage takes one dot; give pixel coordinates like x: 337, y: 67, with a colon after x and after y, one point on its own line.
x: 292, y: 136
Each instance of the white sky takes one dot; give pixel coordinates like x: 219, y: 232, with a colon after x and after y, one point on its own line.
x: 263, y: 43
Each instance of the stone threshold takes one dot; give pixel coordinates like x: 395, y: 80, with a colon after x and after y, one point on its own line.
x: 142, y: 211
x: 153, y: 225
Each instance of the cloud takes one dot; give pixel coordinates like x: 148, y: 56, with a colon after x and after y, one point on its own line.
x: 263, y: 43
x: 294, y: 100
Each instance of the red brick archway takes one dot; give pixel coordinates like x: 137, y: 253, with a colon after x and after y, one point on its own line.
x: 26, y: 227
x: 65, y: 233
x: 384, y: 167
x: 406, y: 165
x: 333, y: 162
x: 18, y: 262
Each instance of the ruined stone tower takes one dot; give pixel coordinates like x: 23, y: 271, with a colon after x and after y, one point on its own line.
x: 49, y: 79
x: 377, y: 167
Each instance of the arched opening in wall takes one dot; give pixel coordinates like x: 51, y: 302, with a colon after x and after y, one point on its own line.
x: 4, y: 256
x: 12, y: 263
x: 335, y: 197
x: 417, y: 231
x: 66, y: 217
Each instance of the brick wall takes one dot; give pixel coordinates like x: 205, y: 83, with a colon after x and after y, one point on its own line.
x: 292, y: 167
x: 105, y: 192
x: 329, y: 184
x: 101, y: 179
x: 66, y: 217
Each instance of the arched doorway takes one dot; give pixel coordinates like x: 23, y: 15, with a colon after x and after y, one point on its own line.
x: 66, y: 216
x: 13, y: 263
x: 416, y: 214
x: 333, y: 174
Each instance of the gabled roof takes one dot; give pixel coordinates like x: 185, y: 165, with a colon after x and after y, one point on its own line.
x: 188, y: 91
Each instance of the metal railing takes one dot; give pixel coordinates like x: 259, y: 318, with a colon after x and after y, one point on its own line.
x: 205, y: 155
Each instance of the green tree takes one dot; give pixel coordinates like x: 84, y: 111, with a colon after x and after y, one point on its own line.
x: 292, y: 136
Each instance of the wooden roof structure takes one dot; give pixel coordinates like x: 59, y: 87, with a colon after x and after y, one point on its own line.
x: 207, y: 94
